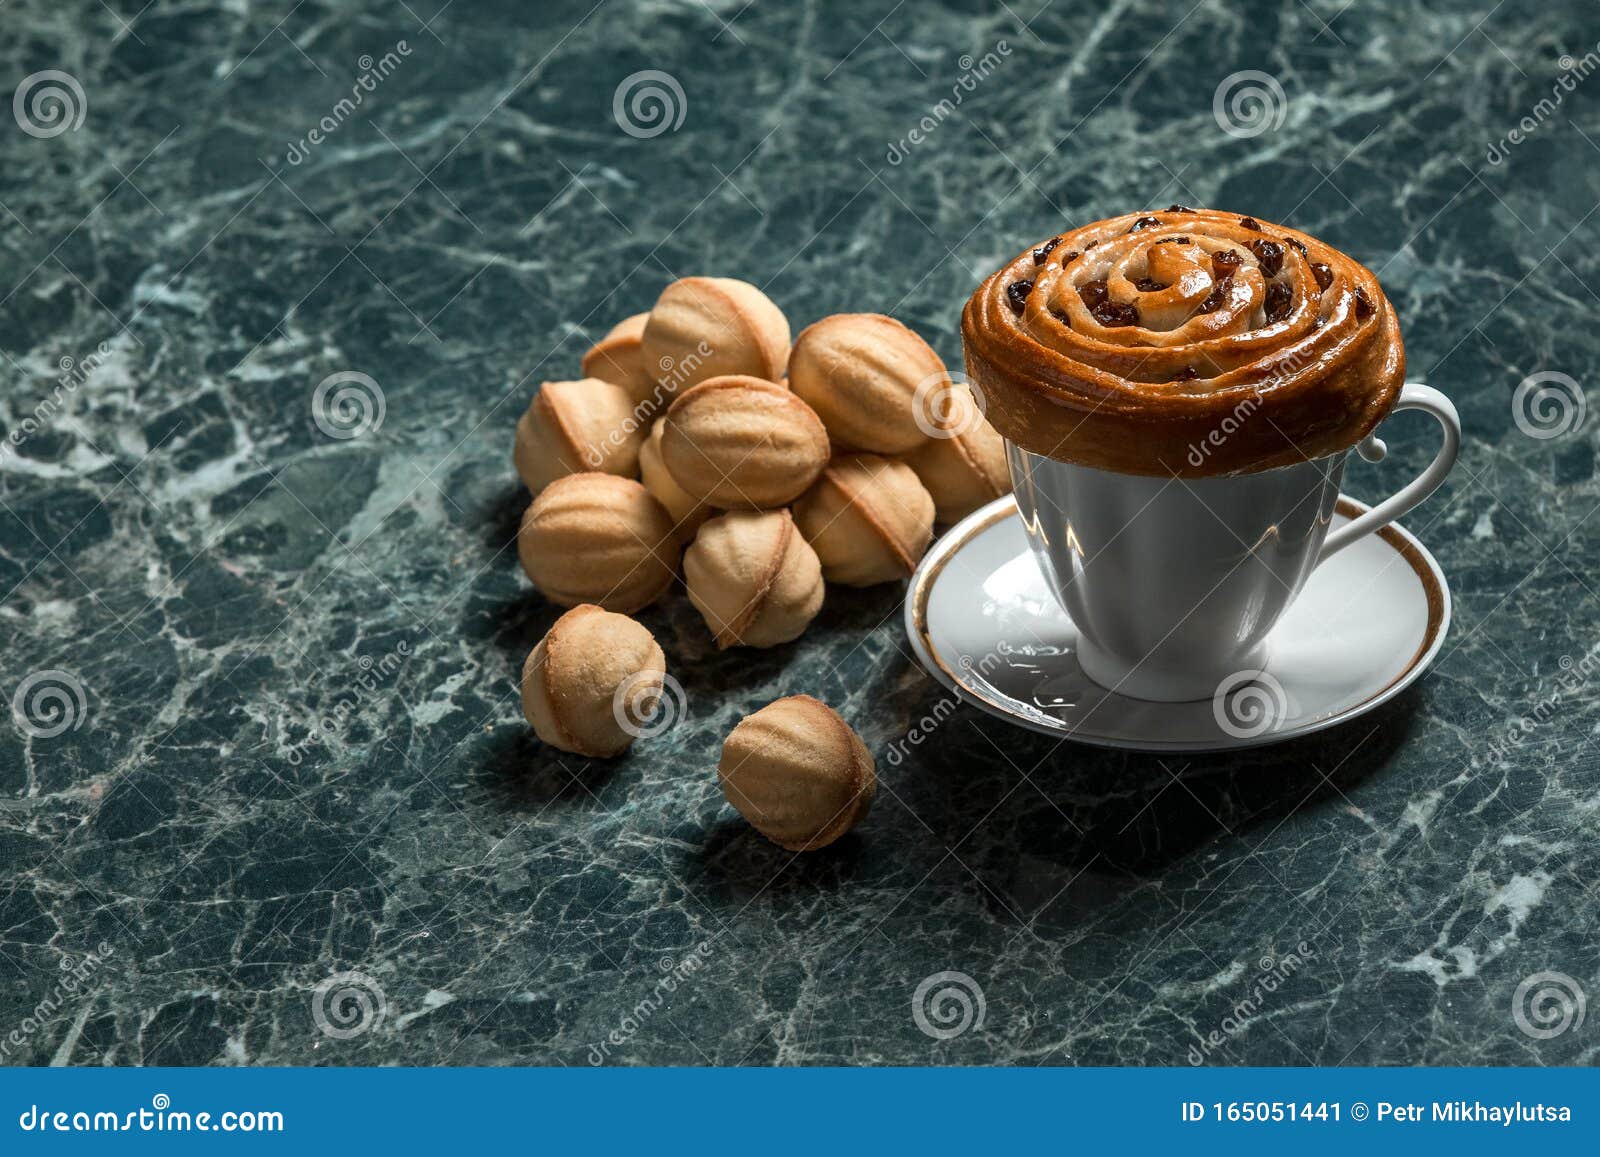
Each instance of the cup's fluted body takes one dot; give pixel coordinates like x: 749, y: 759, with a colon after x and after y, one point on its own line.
x: 1173, y: 584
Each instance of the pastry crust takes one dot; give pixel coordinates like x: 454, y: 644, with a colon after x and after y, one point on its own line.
x: 1136, y: 351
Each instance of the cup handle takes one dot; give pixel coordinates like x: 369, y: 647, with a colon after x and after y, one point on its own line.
x: 1413, y: 396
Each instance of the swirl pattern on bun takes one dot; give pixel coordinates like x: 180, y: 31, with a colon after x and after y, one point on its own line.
x: 1183, y: 342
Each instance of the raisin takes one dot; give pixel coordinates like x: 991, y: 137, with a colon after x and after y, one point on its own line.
x: 1043, y: 251
x: 1114, y: 313
x: 1148, y: 285
x: 1071, y: 253
x: 1226, y: 263
x: 1187, y: 374
x: 1278, y: 302
x: 1363, y: 304
x: 1298, y: 244
x: 1219, y: 294
x: 1179, y: 209
x: 1017, y: 294
x: 1269, y: 254
x: 1143, y: 223
x: 1250, y: 223
x: 1323, y: 273
x: 1059, y: 316
x: 1173, y: 241
x: 1093, y: 293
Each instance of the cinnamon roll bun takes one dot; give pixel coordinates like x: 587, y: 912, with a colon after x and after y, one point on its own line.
x: 1183, y: 342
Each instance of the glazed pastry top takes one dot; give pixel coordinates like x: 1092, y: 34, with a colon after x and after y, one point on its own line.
x: 1189, y: 342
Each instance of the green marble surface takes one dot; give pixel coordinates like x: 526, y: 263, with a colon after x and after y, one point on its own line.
x: 182, y: 541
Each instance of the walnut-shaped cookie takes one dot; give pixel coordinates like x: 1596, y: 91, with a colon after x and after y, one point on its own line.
x: 575, y: 427
x: 870, y: 379
x: 869, y: 519
x: 743, y: 443
x: 963, y: 465
x: 589, y: 677
x: 705, y: 327
x: 798, y: 772
x: 688, y: 513
x: 619, y: 358
x: 597, y: 538
x: 754, y: 578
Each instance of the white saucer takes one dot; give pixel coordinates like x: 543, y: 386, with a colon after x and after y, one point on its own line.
x: 984, y: 624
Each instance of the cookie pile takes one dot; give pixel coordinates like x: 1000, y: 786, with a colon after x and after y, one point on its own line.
x: 686, y: 450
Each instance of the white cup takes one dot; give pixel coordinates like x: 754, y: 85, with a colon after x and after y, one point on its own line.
x: 1175, y: 584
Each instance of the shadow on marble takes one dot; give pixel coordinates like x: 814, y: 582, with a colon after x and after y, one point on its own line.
x: 504, y: 517
x: 1053, y: 834
x: 1141, y: 812
x: 521, y: 775
x: 747, y: 864
x: 517, y: 624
